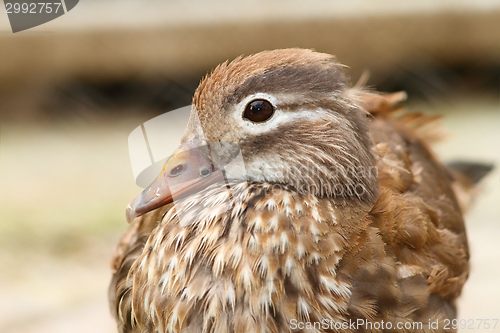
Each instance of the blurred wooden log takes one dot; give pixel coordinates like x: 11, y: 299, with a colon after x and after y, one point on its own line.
x: 117, y: 39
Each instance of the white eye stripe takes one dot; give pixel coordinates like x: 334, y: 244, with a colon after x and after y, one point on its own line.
x: 271, y: 99
x: 279, y: 117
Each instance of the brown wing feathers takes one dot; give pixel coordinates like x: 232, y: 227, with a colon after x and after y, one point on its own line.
x: 289, y: 256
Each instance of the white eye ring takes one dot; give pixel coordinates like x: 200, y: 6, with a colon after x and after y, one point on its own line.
x: 250, y: 126
x: 278, y: 117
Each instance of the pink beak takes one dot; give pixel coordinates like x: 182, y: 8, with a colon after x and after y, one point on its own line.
x: 186, y: 172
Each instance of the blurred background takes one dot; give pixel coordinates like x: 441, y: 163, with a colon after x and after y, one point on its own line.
x: 72, y: 90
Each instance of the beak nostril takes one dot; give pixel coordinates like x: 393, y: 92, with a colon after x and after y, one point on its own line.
x: 177, y: 170
x: 204, y: 172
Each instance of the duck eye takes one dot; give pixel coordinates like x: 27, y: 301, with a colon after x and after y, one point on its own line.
x: 258, y: 110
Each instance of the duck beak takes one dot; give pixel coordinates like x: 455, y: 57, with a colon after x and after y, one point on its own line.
x: 189, y: 170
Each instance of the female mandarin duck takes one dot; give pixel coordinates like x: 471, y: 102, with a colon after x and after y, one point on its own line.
x: 341, y: 214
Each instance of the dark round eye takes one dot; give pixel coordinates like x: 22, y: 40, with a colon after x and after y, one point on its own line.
x: 258, y: 110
